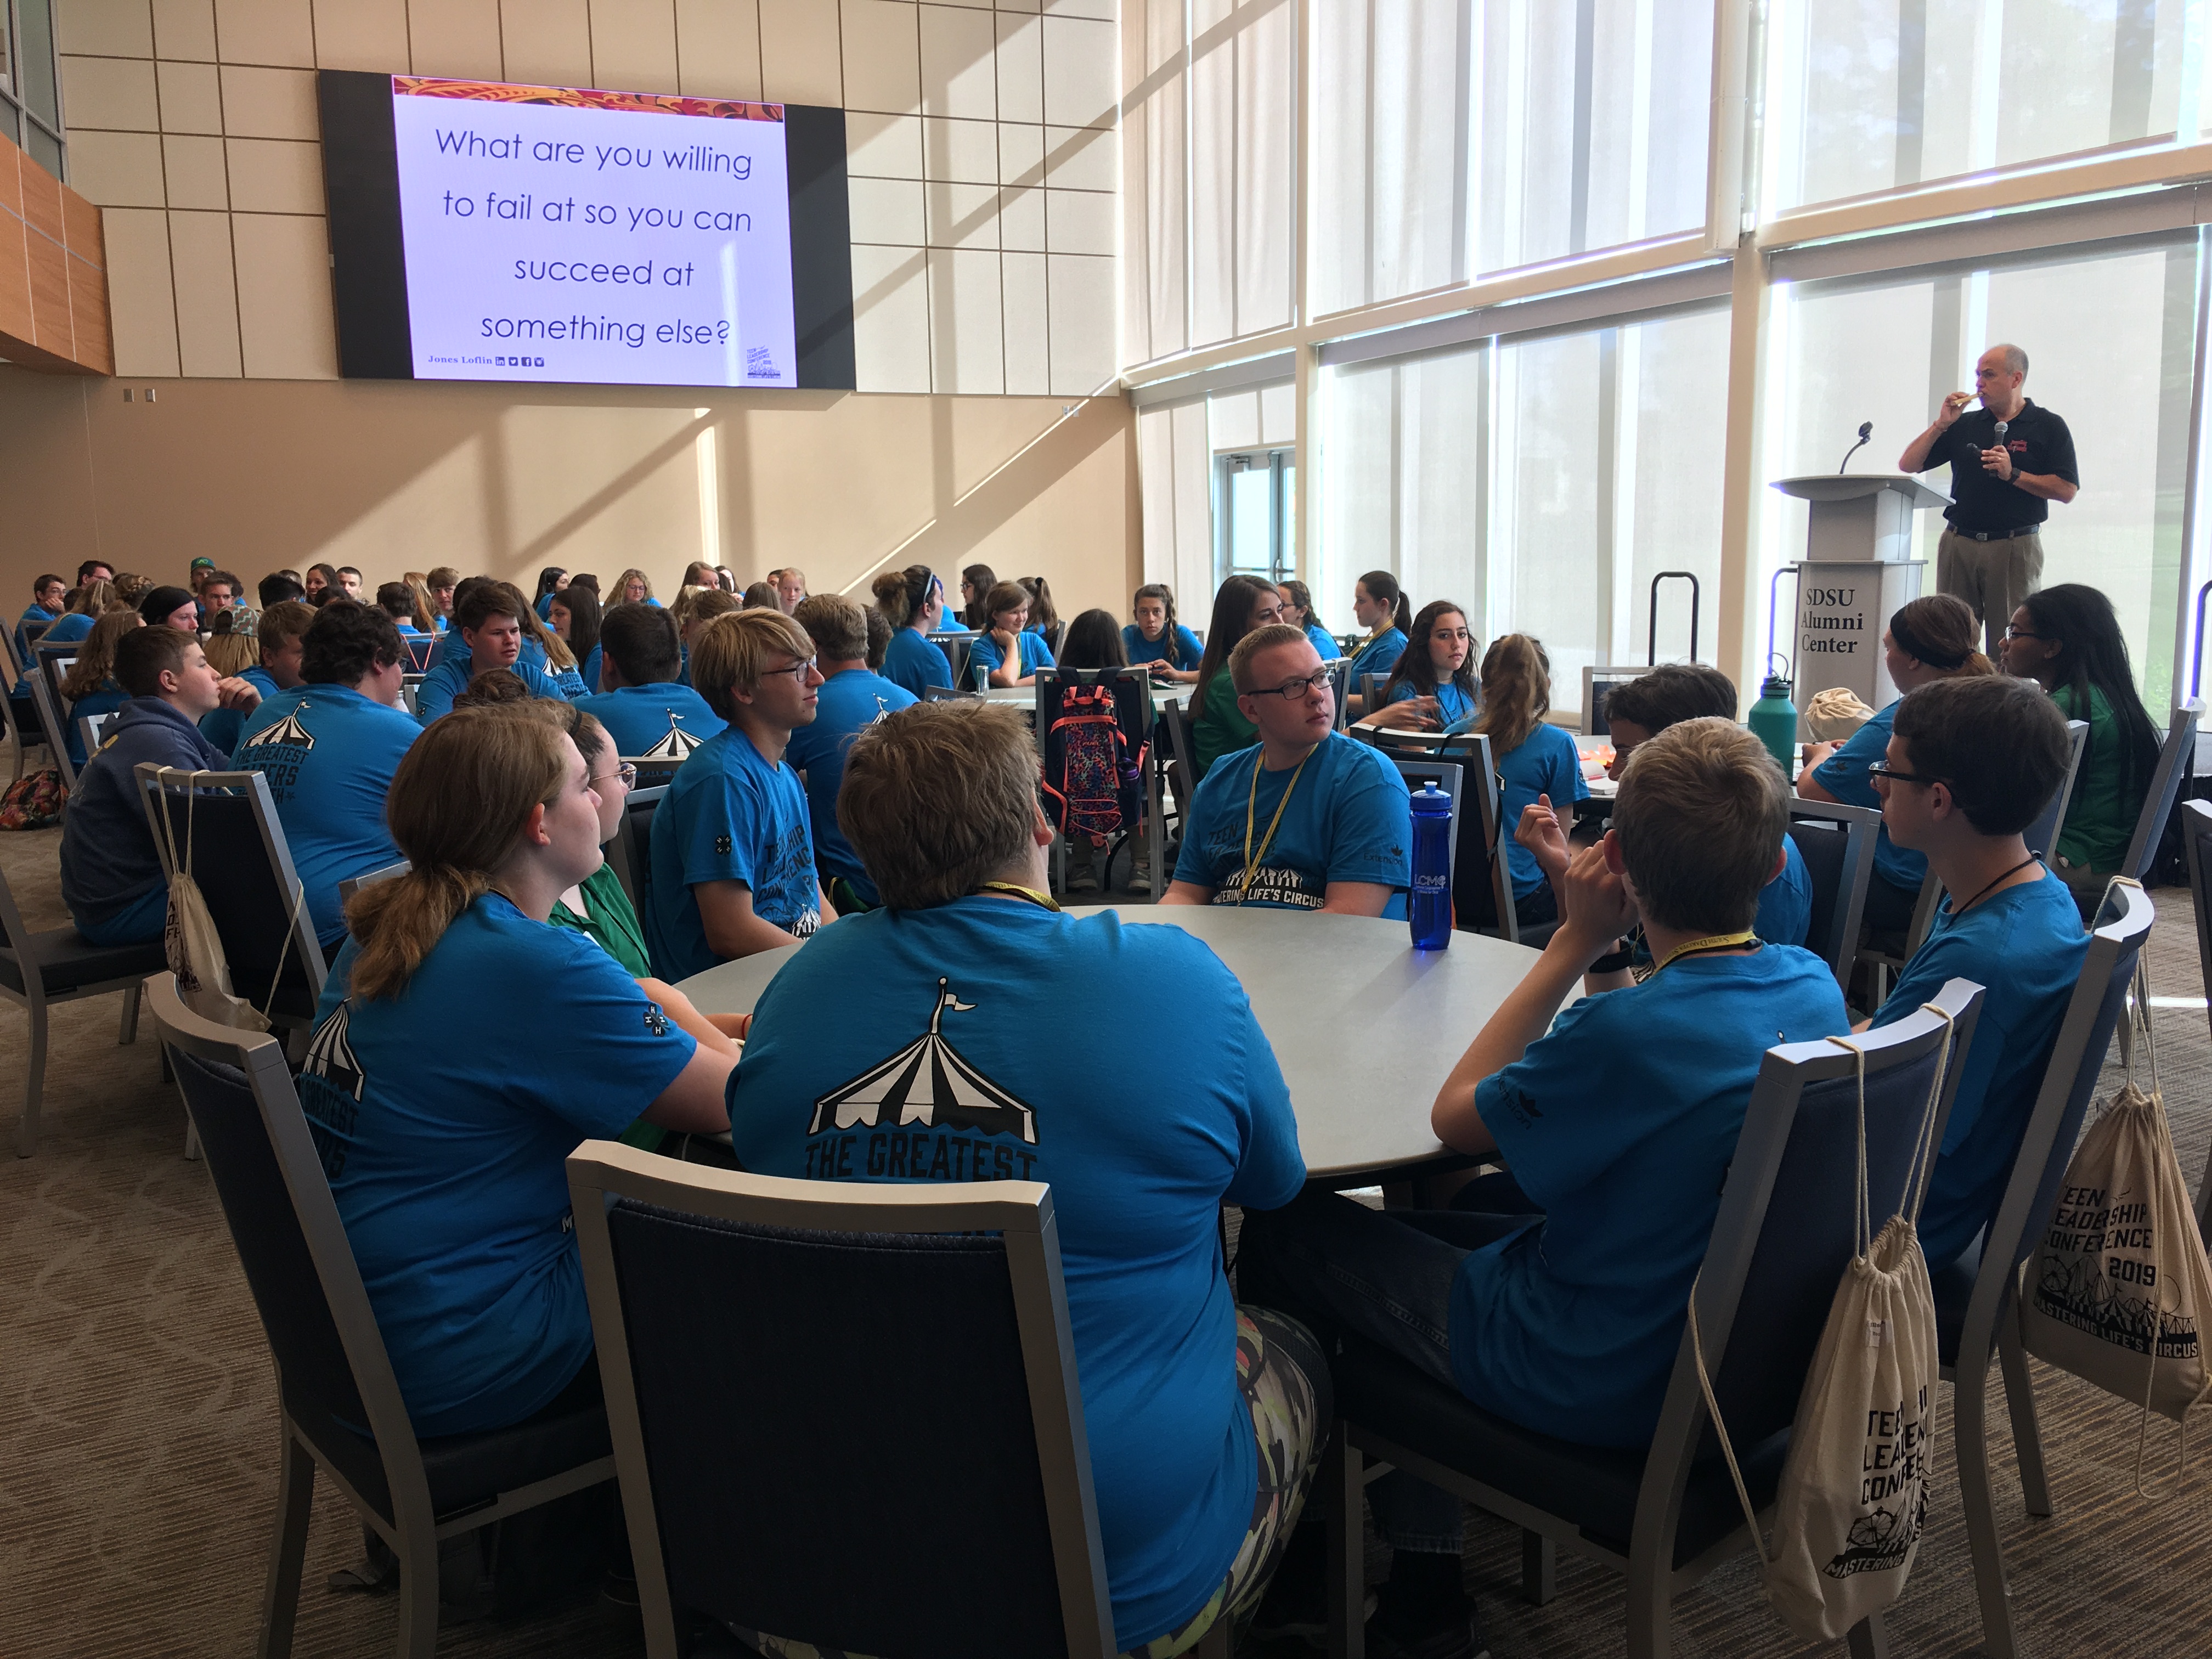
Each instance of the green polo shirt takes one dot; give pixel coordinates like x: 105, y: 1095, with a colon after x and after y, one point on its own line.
x: 2100, y: 819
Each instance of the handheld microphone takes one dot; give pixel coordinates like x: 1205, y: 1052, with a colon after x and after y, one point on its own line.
x: 1866, y: 431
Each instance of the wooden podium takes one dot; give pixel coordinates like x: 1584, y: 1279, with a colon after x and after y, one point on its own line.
x: 1858, y: 569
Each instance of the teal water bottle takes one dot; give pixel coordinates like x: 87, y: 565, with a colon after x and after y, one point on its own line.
x: 1774, y: 721
x: 1429, y: 906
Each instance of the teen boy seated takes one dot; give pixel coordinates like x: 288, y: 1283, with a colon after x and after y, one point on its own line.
x: 1969, y: 765
x: 641, y: 704
x: 1637, y: 711
x: 283, y: 627
x: 732, y: 855
x: 1202, y: 1418
x: 329, y: 749
x: 1307, y: 819
x: 851, y: 698
x: 490, y: 620
x: 111, y: 877
x: 1618, y: 1118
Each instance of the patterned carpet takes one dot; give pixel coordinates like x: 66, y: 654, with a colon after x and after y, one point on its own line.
x: 138, y: 1428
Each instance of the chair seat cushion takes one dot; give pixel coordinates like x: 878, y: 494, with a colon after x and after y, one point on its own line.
x: 466, y: 1470
x: 66, y: 960
x: 1595, y: 1487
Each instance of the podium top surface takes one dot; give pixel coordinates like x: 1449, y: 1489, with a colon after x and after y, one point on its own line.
x: 1851, y: 486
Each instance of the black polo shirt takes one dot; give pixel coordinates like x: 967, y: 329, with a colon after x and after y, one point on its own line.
x: 1981, y: 500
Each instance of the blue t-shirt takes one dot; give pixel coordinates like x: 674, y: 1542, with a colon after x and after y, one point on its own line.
x: 1546, y: 763
x: 75, y: 625
x: 568, y: 682
x: 1619, y: 1125
x: 2024, y: 947
x: 590, y: 672
x: 225, y: 726
x: 545, y: 607
x: 1452, y: 703
x: 1136, y: 1194
x: 445, y: 1150
x: 1036, y: 653
x: 434, y: 698
x: 1179, y: 650
x: 329, y: 754
x: 729, y: 816
x: 846, y: 701
x: 451, y: 647
x: 1378, y: 656
x: 1844, y: 774
x: 36, y: 613
x: 1785, y: 903
x: 914, y: 664
x: 1324, y: 642
x: 105, y: 701
x: 644, y: 719
x: 1349, y: 819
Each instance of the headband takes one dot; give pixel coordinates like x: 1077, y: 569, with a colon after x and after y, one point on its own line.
x: 1918, y: 648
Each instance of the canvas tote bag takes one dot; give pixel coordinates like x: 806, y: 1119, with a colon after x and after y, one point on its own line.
x: 2119, y: 1288
x: 193, y: 947
x: 1853, y: 1496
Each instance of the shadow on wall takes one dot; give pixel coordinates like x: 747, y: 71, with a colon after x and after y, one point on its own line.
x: 394, y: 475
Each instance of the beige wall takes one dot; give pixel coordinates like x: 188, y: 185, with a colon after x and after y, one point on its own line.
x: 391, y: 475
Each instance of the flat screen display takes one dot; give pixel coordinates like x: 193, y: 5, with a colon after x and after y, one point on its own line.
x: 482, y: 231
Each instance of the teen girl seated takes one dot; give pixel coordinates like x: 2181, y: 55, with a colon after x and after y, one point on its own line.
x: 90, y: 687
x: 85, y: 606
x: 976, y: 581
x: 1298, y: 612
x: 1431, y: 685
x: 2068, y: 640
x: 446, y: 1158
x: 1218, y: 726
x: 1043, y: 615
x: 1534, y: 758
x: 1009, y: 649
x: 1382, y: 609
x: 1158, y: 638
x: 573, y: 619
x: 913, y: 602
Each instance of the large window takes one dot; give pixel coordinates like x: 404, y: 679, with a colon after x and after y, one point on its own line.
x: 2121, y: 385
x: 30, y: 89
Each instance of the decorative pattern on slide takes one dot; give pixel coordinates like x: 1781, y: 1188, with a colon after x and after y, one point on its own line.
x: 646, y: 103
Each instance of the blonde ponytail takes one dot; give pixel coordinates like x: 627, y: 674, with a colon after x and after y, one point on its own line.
x: 1517, y: 691
x: 457, y: 804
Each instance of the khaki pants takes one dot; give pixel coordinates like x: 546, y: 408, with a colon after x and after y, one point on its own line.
x: 1993, y: 577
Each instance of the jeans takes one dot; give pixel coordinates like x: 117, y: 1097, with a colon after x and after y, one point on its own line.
x: 1385, y: 1276
x: 141, y: 923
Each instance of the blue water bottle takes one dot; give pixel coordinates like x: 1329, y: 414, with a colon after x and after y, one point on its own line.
x: 1429, y: 906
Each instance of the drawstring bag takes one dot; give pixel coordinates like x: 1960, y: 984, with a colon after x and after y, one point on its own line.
x: 1853, y: 1495
x: 2119, y: 1288
x: 194, y: 947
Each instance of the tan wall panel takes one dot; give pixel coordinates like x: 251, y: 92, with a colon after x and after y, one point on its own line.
x: 548, y: 42
x: 118, y: 169
x: 388, y: 477
x: 276, y: 175
x: 458, y: 40
x: 277, y: 32
x: 718, y: 48
x: 633, y: 45
x: 285, y: 327
x: 108, y: 28
x: 192, y: 97
x: 140, y: 295
x: 801, y: 62
x: 116, y: 94
x: 196, y: 175
x: 269, y: 103
x: 207, y: 293
x: 362, y: 35
x: 185, y: 29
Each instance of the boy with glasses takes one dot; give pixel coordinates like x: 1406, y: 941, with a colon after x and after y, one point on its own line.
x: 1970, y: 764
x: 732, y: 848
x: 1307, y: 819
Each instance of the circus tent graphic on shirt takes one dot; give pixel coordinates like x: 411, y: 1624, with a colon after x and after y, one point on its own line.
x: 927, y: 1082
x: 286, y: 734
x: 675, y: 746
x: 329, y: 1056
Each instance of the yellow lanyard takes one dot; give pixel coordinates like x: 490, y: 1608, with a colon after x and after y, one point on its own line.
x: 1014, y: 891
x: 1718, y: 942
x: 1251, y: 811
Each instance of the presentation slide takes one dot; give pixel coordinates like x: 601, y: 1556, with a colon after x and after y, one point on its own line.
x: 559, y: 234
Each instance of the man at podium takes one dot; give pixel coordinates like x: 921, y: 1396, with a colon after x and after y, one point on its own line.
x: 2009, y: 460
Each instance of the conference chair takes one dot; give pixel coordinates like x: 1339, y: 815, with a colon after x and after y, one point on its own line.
x: 92, y: 731
x: 1668, y: 1514
x: 1371, y: 693
x: 59, y: 965
x: 1182, y: 753
x: 2042, y: 835
x: 2197, y: 839
x: 1976, y: 1317
x: 1482, y: 880
x: 19, y: 711
x: 353, y: 884
x: 55, y: 662
x: 223, y: 827
x: 631, y: 852
x: 411, y: 689
x: 2173, y: 758
x: 946, y: 693
x: 1449, y: 778
x: 1837, y: 843
x: 54, y: 723
x: 1055, y: 635
x: 1340, y: 675
x: 1133, y: 716
x: 419, y: 647
x: 332, y: 1369
x: 955, y: 1291
x: 954, y: 643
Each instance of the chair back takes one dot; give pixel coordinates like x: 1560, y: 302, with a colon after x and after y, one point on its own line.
x: 1451, y: 780
x: 332, y: 1364
x: 1132, y: 689
x: 53, y: 723
x: 1055, y: 635
x: 1482, y: 881
x: 1183, y: 756
x: 353, y: 884
x: 92, y: 731
x: 419, y: 647
x: 410, y: 692
x: 1789, y: 1221
x: 55, y: 662
x: 1340, y: 675
x: 1370, y: 692
x: 954, y: 643
x: 896, y: 1305
x: 2043, y: 835
x: 1837, y: 843
x: 226, y: 823
x: 946, y: 693
x: 632, y: 852
x: 2173, y: 758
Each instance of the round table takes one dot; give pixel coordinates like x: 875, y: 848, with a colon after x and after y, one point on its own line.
x: 1365, y: 1028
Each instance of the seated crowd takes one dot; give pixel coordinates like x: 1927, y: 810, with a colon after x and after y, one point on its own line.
x: 823, y: 790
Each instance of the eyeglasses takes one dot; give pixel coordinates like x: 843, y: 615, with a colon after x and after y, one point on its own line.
x: 1882, y: 772
x: 626, y: 772
x: 1313, y: 682
x: 2024, y: 634
x: 798, y: 670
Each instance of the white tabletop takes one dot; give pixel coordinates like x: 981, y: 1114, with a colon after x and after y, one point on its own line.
x: 1365, y: 1028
